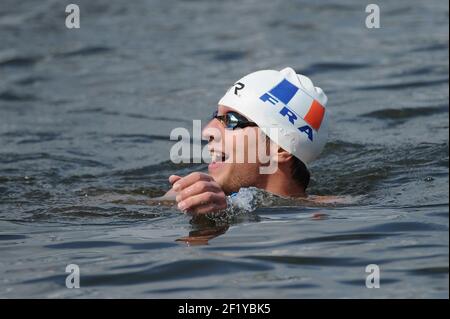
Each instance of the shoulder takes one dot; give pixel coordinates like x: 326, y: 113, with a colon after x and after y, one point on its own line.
x: 328, y: 199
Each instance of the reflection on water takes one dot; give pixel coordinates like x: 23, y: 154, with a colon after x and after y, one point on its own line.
x: 85, y: 118
x: 202, y: 235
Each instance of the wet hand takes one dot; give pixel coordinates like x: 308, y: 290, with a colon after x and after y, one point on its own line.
x: 198, y: 193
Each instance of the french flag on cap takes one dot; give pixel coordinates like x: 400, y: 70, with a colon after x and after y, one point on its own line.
x: 299, y: 102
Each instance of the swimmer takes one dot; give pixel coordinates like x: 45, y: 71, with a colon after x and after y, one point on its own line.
x: 287, y: 115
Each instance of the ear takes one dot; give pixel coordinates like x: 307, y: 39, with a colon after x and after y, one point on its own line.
x: 277, y: 153
x: 283, y: 155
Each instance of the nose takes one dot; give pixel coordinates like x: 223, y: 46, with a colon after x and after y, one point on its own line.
x: 212, y: 131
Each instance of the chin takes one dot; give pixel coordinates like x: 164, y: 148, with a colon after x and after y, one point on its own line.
x: 222, y: 175
x: 217, y: 174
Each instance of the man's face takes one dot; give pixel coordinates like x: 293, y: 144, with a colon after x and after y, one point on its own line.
x: 235, y: 158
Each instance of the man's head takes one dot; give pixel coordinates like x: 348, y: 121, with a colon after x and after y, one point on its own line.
x: 267, y: 118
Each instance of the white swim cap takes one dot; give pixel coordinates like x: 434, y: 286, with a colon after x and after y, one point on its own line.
x: 287, y: 102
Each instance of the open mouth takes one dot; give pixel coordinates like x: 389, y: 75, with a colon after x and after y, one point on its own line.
x: 218, y: 157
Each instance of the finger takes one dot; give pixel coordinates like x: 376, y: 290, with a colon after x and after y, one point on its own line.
x: 189, y: 180
x: 174, y: 178
x: 198, y: 188
x: 202, y: 199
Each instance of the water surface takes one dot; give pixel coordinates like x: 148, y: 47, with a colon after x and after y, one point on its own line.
x: 85, y: 117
